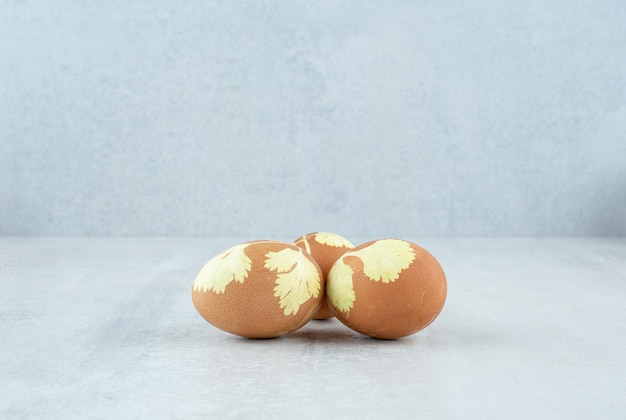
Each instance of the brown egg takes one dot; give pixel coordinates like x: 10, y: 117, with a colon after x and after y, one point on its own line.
x: 325, y: 248
x: 387, y: 288
x: 259, y: 289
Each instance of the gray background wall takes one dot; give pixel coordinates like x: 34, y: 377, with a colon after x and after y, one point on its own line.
x: 273, y: 118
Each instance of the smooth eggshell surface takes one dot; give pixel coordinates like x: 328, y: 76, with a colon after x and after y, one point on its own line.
x: 387, y: 288
x: 259, y: 289
x: 325, y: 248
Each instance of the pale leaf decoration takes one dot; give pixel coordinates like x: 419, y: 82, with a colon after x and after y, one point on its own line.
x: 232, y: 264
x: 331, y: 239
x: 339, y: 286
x: 303, y: 242
x: 298, y: 278
x: 385, y: 259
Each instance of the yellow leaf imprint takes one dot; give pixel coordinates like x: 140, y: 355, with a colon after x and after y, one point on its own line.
x: 385, y: 259
x: 339, y: 286
x: 298, y: 279
x: 232, y: 264
x: 305, y: 242
x: 332, y: 239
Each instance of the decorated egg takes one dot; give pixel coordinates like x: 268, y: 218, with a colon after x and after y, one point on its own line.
x: 388, y: 288
x: 259, y: 289
x: 325, y: 248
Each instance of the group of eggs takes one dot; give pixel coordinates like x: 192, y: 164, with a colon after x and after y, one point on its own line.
x: 387, y: 288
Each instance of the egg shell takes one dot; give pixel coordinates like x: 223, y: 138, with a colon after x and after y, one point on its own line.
x: 259, y: 289
x: 325, y: 248
x: 387, y: 288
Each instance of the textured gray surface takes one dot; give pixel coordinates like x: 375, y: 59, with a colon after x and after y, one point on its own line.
x: 105, y: 328
x: 271, y: 117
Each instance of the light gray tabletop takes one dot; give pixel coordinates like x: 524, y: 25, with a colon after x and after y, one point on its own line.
x: 105, y: 328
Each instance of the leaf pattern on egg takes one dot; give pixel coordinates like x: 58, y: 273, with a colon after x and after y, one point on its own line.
x: 385, y: 259
x: 331, y: 239
x: 339, y: 286
x: 297, y: 278
x: 232, y: 264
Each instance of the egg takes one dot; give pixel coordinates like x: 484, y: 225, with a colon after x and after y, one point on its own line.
x: 388, y: 288
x: 325, y: 248
x: 259, y: 289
